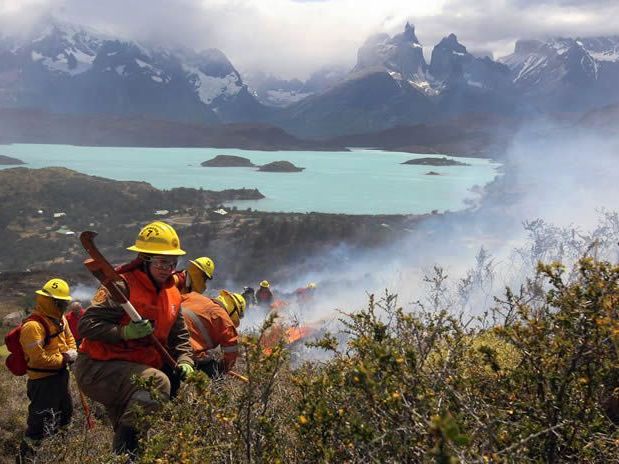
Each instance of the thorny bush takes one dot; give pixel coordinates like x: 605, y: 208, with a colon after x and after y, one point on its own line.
x: 420, y: 384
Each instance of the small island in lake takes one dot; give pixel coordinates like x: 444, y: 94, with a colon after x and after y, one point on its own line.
x: 9, y: 161
x: 444, y: 161
x: 228, y: 161
x: 432, y: 173
x: 280, y: 166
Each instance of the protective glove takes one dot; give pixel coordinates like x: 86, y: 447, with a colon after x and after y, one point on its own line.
x: 135, y: 330
x: 69, y: 356
x: 185, y: 370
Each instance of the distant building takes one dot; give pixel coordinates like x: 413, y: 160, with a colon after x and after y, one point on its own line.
x: 64, y: 231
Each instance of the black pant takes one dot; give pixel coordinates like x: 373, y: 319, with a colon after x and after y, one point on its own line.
x: 50, y: 406
x: 175, y: 379
x: 214, y: 369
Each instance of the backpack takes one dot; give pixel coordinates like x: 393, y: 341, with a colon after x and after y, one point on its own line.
x: 16, y: 361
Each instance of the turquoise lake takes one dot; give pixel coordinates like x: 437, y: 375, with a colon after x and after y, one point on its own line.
x: 356, y: 182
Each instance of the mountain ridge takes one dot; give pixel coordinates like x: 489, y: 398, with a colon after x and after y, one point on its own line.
x: 68, y: 69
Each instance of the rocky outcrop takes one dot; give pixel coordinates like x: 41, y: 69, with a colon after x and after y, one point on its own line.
x: 9, y: 161
x: 280, y: 166
x: 432, y: 173
x: 444, y: 161
x: 228, y: 161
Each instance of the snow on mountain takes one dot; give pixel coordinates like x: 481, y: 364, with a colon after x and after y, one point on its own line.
x: 566, y: 73
x: 64, y: 48
x: 401, y: 56
x: 535, y: 62
x: 277, y: 92
x: 601, y: 48
x: 171, y: 82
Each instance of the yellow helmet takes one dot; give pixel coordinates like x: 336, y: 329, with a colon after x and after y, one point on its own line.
x: 265, y: 284
x: 235, y: 305
x: 56, y: 288
x: 205, y: 264
x: 157, y: 238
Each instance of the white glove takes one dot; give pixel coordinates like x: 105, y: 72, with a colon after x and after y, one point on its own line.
x: 70, y: 356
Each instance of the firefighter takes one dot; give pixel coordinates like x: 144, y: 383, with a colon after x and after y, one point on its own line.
x: 48, y: 350
x: 195, y: 278
x: 264, y: 296
x: 305, y: 294
x: 250, y: 296
x: 115, y: 349
x: 74, y: 315
x: 212, y: 323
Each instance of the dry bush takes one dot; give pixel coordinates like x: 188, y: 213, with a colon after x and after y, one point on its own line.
x: 14, y: 407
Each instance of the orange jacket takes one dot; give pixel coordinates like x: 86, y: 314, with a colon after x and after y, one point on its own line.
x: 161, y: 308
x: 210, y: 326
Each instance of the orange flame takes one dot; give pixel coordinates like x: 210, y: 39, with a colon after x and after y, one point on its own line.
x: 290, y: 336
x: 295, y: 334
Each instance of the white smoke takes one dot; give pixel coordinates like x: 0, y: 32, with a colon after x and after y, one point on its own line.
x: 83, y: 293
x: 557, y: 196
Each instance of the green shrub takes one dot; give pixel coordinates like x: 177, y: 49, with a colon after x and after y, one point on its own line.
x: 416, y: 385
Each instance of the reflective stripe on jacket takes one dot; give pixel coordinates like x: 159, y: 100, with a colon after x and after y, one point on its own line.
x: 160, y: 307
x: 210, y: 326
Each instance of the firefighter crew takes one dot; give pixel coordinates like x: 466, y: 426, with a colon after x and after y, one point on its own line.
x: 264, y: 296
x: 114, y: 348
x: 48, y: 351
x: 195, y: 278
x: 212, y: 323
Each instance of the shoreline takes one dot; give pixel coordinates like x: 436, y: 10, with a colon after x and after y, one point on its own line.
x: 189, y: 174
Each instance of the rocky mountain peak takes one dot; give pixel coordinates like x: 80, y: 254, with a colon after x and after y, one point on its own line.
x: 451, y: 43
x: 448, y: 59
x: 409, y: 33
x: 402, y: 55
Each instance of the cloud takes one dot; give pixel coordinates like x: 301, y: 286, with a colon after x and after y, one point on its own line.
x: 292, y: 38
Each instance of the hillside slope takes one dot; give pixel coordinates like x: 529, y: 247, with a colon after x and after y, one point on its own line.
x: 241, y: 242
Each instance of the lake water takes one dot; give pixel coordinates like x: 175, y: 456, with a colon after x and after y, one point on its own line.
x: 356, y: 182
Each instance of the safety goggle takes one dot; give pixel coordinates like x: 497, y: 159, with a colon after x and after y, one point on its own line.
x: 163, y: 263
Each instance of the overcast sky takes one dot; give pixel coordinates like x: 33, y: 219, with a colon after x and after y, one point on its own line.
x: 291, y: 38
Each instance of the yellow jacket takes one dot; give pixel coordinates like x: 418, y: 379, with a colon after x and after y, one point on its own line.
x: 32, y: 339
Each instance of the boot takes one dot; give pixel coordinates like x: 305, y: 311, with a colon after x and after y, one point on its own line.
x: 125, y: 441
x: 27, y: 452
